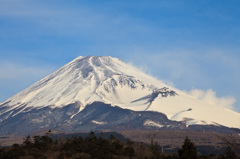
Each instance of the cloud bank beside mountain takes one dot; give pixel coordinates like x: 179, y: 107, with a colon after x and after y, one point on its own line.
x: 210, y: 97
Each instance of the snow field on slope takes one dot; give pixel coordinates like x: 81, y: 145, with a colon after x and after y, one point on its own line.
x: 185, y: 107
x: 112, y: 81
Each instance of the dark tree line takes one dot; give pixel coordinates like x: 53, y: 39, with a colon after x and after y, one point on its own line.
x: 92, y: 147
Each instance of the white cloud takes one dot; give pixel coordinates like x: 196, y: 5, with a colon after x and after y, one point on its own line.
x: 10, y: 70
x: 14, y: 77
x: 203, y: 69
x: 81, y: 21
x: 210, y: 97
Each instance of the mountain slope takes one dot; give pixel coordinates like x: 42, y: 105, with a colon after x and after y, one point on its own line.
x: 97, y: 116
x: 111, y: 81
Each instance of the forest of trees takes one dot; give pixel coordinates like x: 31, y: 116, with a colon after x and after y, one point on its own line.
x: 92, y: 147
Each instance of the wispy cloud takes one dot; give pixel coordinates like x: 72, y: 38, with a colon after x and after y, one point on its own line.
x: 179, y: 65
x: 201, y: 69
x: 187, y: 44
x: 210, y: 97
x: 10, y: 70
x: 196, y: 65
x: 15, y: 77
x: 70, y: 20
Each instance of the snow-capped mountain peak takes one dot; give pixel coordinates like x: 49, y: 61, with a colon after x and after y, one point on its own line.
x: 80, y: 80
x: 109, y: 80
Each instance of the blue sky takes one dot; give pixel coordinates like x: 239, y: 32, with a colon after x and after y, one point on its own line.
x: 191, y: 45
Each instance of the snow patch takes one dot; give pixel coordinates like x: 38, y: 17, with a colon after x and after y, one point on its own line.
x: 98, y: 122
x: 152, y: 123
x: 109, y: 80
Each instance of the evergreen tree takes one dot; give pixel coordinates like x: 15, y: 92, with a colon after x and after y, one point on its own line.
x: 155, y: 148
x: 188, y: 150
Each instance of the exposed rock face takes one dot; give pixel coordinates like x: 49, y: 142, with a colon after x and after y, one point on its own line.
x: 106, y: 93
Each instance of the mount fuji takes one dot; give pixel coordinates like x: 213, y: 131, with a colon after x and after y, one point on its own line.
x: 93, y: 93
